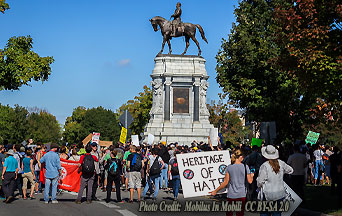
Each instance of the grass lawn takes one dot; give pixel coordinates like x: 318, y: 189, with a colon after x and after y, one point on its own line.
x: 319, y: 198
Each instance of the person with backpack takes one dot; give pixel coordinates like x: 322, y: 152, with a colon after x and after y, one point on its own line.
x: 87, y: 165
x: 165, y: 156
x: 114, y: 170
x: 237, y: 177
x: 134, y: 165
x: 174, y: 171
x: 154, y: 168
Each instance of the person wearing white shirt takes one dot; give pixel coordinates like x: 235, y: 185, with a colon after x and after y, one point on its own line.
x: 270, y: 179
x: 318, y: 169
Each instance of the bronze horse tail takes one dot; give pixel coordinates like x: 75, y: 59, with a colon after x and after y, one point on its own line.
x: 202, y: 32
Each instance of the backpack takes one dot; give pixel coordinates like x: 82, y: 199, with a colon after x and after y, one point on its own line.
x: 88, y: 165
x: 174, y: 168
x: 113, y: 168
x: 155, y: 168
x: 136, y: 163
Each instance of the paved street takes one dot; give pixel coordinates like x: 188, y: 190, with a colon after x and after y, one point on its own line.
x: 67, y: 206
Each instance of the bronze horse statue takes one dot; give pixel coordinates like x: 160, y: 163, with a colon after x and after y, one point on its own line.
x: 189, y: 31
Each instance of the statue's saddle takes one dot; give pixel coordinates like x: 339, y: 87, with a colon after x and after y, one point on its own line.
x: 177, y: 29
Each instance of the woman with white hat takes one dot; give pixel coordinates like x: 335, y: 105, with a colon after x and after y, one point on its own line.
x: 270, y: 179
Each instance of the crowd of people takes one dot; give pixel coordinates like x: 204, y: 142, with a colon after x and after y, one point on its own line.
x: 255, y: 173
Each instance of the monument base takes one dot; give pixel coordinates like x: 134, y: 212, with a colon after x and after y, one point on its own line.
x: 179, y: 111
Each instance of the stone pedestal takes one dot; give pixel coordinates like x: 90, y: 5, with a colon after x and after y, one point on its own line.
x: 179, y: 112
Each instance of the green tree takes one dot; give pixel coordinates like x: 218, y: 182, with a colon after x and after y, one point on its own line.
x: 13, y: 124
x: 311, y: 32
x: 19, y: 65
x: 228, y: 121
x: 3, y: 6
x: 140, y: 109
x: 84, y: 121
x: 43, y: 127
x: 246, y: 72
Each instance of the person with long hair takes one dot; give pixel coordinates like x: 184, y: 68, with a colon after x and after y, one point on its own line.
x: 235, y: 179
x: 270, y: 179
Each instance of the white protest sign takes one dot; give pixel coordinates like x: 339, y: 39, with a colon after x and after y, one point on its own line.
x: 214, y: 136
x: 95, y: 137
x: 202, y: 172
x: 135, y: 140
x: 293, y: 198
x: 150, y: 139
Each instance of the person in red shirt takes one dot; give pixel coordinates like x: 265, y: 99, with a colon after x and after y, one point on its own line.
x: 87, y: 166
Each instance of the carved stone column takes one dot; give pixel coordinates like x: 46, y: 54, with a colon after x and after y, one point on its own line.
x: 196, y: 98
x: 167, y: 84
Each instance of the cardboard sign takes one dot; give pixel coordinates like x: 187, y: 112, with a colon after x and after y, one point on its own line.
x: 202, y: 172
x: 135, y: 140
x: 150, y: 139
x: 214, y: 136
x: 257, y: 142
x: 312, y: 137
x: 123, y: 135
x: 95, y: 137
x: 293, y: 198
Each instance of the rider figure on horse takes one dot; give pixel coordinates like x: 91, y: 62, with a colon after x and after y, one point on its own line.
x: 177, y: 22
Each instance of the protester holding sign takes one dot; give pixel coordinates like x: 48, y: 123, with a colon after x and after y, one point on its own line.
x: 318, y: 165
x: 174, y: 171
x: 270, y: 179
x: 236, y: 174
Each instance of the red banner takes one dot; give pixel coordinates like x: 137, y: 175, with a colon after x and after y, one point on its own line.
x: 70, y: 179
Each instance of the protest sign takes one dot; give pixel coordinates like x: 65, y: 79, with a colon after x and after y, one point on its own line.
x: 150, y: 139
x: 95, y: 137
x: 293, y: 198
x: 123, y: 135
x: 257, y: 142
x: 70, y: 179
x: 135, y: 140
x: 202, y: 172
x: 214, y: 136
x: 312, y: 137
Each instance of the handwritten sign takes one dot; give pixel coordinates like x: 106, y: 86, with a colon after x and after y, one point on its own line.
x: 150, y: 139
x: 293, y: 198
x: 257, y: 142
x: 123, y: 135
x: 312, y: 137
x: 135, y: 140
x: 95, y: 138
x: 202, y: 172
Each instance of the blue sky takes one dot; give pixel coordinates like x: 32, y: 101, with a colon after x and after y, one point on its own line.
x: 104, y: 50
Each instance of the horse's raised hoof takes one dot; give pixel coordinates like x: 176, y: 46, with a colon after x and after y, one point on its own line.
x: 199, y: 54
x: 170, y: 52
x: 183, y: 53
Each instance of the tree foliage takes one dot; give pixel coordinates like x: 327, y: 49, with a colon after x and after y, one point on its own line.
x: 84, y: 121
x: 140, y: 109
x: 311, y: 32
x: 280, y: 57
x: 44, y: 127
x: 18, y: 124
x: 19, y: 64
x: 228, y: 121
x: 3, y: 6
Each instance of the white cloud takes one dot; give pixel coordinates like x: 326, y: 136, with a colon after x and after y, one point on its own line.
x: 124, y: 62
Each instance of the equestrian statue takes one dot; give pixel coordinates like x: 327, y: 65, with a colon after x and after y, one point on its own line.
x: 176, y: 28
